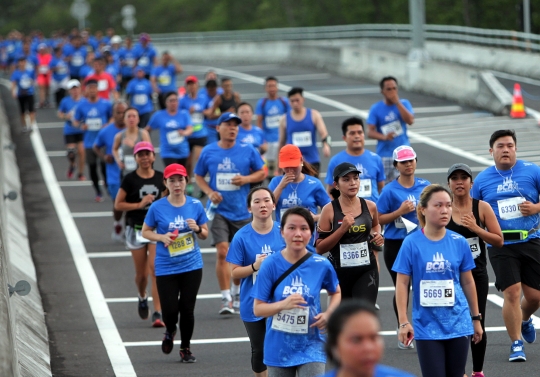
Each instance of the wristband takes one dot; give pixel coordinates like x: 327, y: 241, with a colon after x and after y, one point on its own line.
x: 199, y: 231
x: 253, y: 267
x: 403, y: 325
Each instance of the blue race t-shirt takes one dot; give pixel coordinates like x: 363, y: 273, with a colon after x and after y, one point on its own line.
x: 303, y: 134
x: 435, y: 268
x: 371, y: 172
x: 105, y: 138
x: 184, y: 254
x: 245, y: 247
x: 503, y: 191
x: 172, y: 144
x: 145, y: 56
x: 316, y: 273
x: 272, y: 110
x: 127, y: 59
x: 25, y: 81
x: 77, y: 56
x: 386, y: 119
x: 95, y: 115
x: 222, y: 165
x: 140, y: 95
x: 392, y: 195
x: 197, y: 117
x: 68, y: 106
x: 380, y: 371
x: 254, y: 136
x: 60, y: 70
x: 165, y: 78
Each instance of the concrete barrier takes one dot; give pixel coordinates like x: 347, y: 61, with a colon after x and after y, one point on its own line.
x: 24, y: 345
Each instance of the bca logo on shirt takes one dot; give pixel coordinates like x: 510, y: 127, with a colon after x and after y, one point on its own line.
x: 507, y: 186
x: 292, y: 200
x: 439, y: 264
x: 363, y: 171
x: 296, y: 287
x: 171, y: 124
x: 412, y: 199
x: 391, y: 116
x: 178, y: 223
x: 93, y: 112
x: 267, y: 250
x: 226, y: 165
x: 248, y: 139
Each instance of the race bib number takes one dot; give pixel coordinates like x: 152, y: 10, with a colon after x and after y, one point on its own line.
x: 61, y: 69
x: 77, y: 60
x: 353, y: 255
x: 474, y: 244
x: 93, y: 124
x: 293, y: 321
x: 26, y: 82
x: 102, y: 85
x: 140, y: 99
x: 139, y: 237
x: 164, y: 80
x: 365, y: 188
x: 398, y: 223
x: 43, y: 69
x: 144, y: 61
x: 183, y: 244
x: 197, y: 118
x: 394, y: 126
x: 174, y: 138
x: 224, y: 182
x: 272, y: 121
x: 302, y: 139
x: 129, y: 163
x: 437, y: 293
x: 509, y: 208
x: 130, y: 62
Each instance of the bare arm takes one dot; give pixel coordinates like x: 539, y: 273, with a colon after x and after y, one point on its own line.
x: 215, y: 105
x: 380, y: 186
x: 325, y: 226
x: 120, y: 203
x: 282, y: 132
x: 260, y: 119
x: 265, y: 309
x: 405, y: 114
x: 115, y: 148
x: 145, y: 135
x: 493, y: 235
x: 321, y: 129
x: 374, y: 134
x: 402, y: 297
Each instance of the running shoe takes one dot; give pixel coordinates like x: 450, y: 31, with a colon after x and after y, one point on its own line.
x: 402, y: 346
x: 167, y: 344
x: 226, y: 307
x: 236, y: 302
x: 186, y: 356
x: 70, y: 172
x: 143, y: 308
x: 99, y: 198
x: 477, y: 374
x: 157, y: 320
x: 81, y: 177
x: 528, y: 333
x: 517, y: 352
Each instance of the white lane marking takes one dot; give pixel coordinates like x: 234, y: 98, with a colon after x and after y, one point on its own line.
x: 123, y: 254
x: 76, y: 183
x: 361, y: 113
x: 499, y: 301
x: 78, y: 215
x: 246, y: 339
x: 437, y: 109
x: 157, y: 150
x: 112, y: 341
x: 307, y: 76
x: 347, y: 91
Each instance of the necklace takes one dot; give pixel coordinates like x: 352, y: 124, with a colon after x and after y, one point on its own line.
x: 460, y: 215
x: 350, y: 202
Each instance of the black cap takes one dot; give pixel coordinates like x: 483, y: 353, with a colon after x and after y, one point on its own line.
x: 460, y: 166
x: 343, y: 169
x: 91, y: 82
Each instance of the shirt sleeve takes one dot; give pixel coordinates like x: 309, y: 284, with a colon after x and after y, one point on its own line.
x: 403, y: 263
x: 126, y: 183
x: 201, y: 168
x: 62, y: 106
x: 257, y: 162
x: 150, y: 218
x: 330, y: 282
x: 383, y: 204
x: 153, y: 121
x: 235, y: 254
x: 99, y: 142
x: 274, y: 183
x: 372, y: 116
x: 201, y: 218
x: 258, y: 108
x: 381, y: 176
x: 329, y: 175
x: 407, y: 105
x: 79, y: 115
x: 112, y: 82
x: 321, y: 196
x: 476, y: 192
x: 263, y: 285
x: 129, y: 88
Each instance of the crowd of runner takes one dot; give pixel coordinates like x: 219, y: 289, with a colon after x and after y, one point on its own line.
x: 281, y: 235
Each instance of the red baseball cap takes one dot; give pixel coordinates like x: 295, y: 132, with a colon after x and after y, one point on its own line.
x: 191, y: 79
x: 290, y: 157
x: 143, y: 146
x: 174, y: 169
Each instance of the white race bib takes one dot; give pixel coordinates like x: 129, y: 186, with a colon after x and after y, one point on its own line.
x: 398, y: 223
x: 129, y: 163
x: 474, y: 244
x: 139, y: 237
x: 197, y: 118
x: 294, y: 321
x: 25, y: 82
x: 130, y: 62
x: 93, y: 124
x: 61, y: 69
x: 272, y: 121
x: 144, y: 60
x: 509, y: 208
x: 43, y: 69
x: 77, y: 60
x: 353, y: 255
x: 102, y: 85
x: 365, y: 188
x: 164, y: 80
x: 174, y: 138
x: 302, y: 139
x: 437, y: 293
x: 223, y: 182
x: 394, y: 126
x: 29, y: 66
x: 140, y: 99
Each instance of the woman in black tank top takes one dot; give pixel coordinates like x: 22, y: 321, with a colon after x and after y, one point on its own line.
x: 229, y: 100
x: 347, y: 227
x: 475, y: 220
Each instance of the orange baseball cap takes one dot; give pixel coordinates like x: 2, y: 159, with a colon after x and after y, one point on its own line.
x: 290, y: 157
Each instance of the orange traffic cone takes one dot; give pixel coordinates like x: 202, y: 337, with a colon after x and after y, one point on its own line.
x: 518, y: 108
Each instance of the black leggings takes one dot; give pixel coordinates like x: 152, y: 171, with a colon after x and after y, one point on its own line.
x: 443, y: 358
x: 170, y: 287
x: 478, y: 351
x: 256, y: 332
x: 391, y: 250
x: 359, y: 282
x: 58, y: 95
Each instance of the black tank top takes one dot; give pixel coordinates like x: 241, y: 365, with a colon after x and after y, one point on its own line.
x: 226, y: 104
x: 357, y: 233
x: 480, y: 260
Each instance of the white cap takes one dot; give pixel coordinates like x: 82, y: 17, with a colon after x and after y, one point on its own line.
x: 73, y: 83
x: 116, y: 39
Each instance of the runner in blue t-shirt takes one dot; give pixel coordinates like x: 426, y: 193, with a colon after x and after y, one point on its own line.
x: 22, y: 88
x: 249, y: 248
x: 75, y: 55
x: 231, y: 167
x: 387, y: 122
x: 396, y: 206
x: 178, y: 220
x: 139, y: 91
x: 73, y: 136
x: 291, y: 302
x: 60, y: 75
x: 145, y: 54
x: 269, y: 111
x: 163, y: 77
x: 511, y: 188
x: 128, y: 60
x: 247, y: 133
x: 91, y: 115
x: 438, y: 262
x: 174, y: 127
x: 368, y: 163
x: 354, y: 343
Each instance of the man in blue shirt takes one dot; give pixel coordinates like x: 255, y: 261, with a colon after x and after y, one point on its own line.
x: 512, y: 188
x: 387, y: 123
x: 127, y: 62
x: 163, y: 77
x: 139, y: 91
x: 232, y: 167
x: 145, y: 54
x: 75, y: 54
x: 22, y: 88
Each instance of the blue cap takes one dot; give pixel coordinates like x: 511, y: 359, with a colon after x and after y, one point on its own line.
x: 225, y: 117
x: 137, y: 68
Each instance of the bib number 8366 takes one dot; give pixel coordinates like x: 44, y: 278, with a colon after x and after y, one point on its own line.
x: 354, y: 254
x: 433, y: 293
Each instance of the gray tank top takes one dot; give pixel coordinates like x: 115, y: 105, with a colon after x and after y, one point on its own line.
x: 126, y: 152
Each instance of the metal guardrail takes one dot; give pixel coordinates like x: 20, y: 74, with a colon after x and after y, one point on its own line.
x: 470, y: 35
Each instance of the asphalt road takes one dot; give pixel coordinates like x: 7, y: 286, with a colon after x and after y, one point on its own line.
x: 86, y: 279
